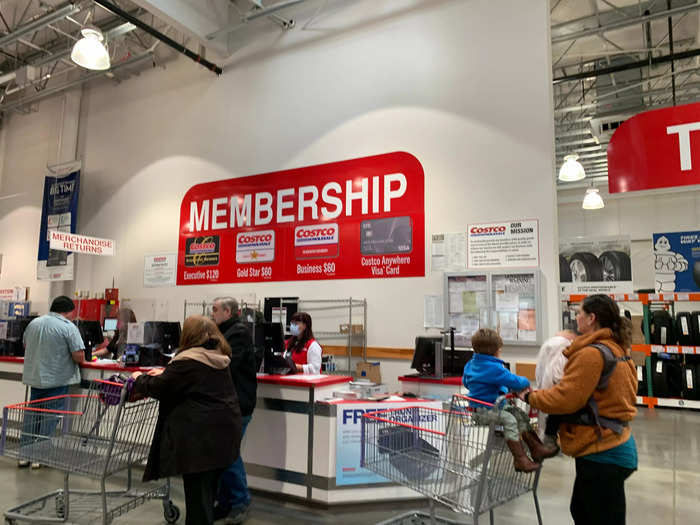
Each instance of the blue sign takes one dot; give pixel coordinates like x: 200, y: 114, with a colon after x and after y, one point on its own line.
x: 677, y: 262
x: 59, y: 212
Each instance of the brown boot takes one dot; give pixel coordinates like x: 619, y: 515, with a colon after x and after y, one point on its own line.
x: 539, y: 450
x: 521, y: 462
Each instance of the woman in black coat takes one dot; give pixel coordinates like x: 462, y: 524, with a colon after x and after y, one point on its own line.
x: 198, y: 433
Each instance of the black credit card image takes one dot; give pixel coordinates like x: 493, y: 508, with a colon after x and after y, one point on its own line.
x: 202, y: 251
x: 384, y: 236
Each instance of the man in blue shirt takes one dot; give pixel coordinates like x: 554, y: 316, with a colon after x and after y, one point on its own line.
x: 53, y: 352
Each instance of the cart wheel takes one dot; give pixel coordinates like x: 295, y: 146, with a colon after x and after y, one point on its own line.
x: 171, y: 512
x: 9, y: 521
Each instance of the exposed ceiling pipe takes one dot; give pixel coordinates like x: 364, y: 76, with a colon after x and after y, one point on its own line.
x: 624, y: 23
x: 631, y: 65
x: 160, y: 36
x: 42, y: 21
x: 252, y: 15
x: 52, y: 91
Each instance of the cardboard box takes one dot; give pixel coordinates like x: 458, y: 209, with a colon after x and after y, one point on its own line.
x: 369, y: 371
x: 526, y: 370
x: 637, y: 332
x: 357, y: 329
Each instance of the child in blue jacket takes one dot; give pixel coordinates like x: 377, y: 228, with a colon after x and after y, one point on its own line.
x: 487, y: 378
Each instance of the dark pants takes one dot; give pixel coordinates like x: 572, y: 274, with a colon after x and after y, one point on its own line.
x: 200, y: 492
x: 233, y: 485
x: 599, y: 493
x: 37, y: 426
x: 552, y: 427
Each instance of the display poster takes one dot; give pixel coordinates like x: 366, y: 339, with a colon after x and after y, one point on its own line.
x: 361, y: 218
x: 467, y: 306
x: 59, y: 213
x: 448, y: 252
x: 677, y: 261
x: 348, y: 458
x: 515, y: 305
x: 433, y: 312
x: 69, y: 242
x: 656, y: 149
x: 160, y: 270
x: 503, y: 244
x: 589, y: 265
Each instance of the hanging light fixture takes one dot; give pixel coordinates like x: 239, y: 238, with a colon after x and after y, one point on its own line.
x: 571, y: 170
x: 593, y: 200
x: 90, y: 52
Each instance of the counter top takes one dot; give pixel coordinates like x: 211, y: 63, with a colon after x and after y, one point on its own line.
x: 93, y: 365
x: 303, y: 380
x: 455, y: 380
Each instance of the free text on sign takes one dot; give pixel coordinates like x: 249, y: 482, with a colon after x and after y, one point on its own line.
x: 70, y: 242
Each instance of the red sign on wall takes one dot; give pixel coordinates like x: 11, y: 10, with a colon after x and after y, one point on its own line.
x: 356, y: 219
x: 656, y: 149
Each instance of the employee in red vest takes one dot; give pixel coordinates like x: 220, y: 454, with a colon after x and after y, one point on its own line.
x: 302, y: 347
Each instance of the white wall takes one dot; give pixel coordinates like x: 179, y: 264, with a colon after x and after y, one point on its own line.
x: 462, y: 85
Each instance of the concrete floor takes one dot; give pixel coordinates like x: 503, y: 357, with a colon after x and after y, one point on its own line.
x: 665, y: 490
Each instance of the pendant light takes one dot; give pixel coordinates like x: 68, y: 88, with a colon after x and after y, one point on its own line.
x: 90, y: 52
x: 571, y: 170
x: 593, y: 200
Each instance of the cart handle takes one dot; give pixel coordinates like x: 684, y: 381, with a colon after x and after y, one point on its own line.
x: 25, y: 404
x: 111, y: 383
x: 498, y: 400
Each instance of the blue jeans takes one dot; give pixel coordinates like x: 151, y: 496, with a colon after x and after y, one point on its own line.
x: 233, y: 485
x: 40, y: 426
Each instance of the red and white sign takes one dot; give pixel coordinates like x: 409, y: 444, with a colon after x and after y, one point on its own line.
x: 313, y: 242
x: 361, y: 218
x: 656, y: 149
x: 503, y: 244
x: 255, y: 247
x: 70, y: 242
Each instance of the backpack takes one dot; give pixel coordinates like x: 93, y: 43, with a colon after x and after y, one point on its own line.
x: 590, y: 415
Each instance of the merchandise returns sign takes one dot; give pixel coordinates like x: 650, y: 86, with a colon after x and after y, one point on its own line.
x: 70, y: 242
x: 361, y: 218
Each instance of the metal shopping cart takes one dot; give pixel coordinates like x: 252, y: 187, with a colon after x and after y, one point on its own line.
x: 448, y: 457
x: 99, y: 434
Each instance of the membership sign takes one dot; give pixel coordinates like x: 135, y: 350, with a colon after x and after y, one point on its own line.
x: 503, y: 244
x: 361, y: 218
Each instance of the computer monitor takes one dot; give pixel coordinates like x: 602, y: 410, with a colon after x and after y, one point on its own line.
x: 289, y: 303
x: 164, y: 333
x: 424, y: 354
x: 274, y: 362
x: 91, y: 332
x: 461, y: 358
x: 110, y: 325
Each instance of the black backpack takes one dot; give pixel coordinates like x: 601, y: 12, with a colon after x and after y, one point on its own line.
x: 590, y: 415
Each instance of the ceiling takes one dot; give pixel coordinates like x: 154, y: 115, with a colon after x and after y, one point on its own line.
x: 612, y: 59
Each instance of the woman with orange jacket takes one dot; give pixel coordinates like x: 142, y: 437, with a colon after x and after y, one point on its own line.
x: 606, y: 453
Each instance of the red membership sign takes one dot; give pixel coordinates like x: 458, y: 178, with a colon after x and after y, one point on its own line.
x: 656, y: 149
x: 355, y: 219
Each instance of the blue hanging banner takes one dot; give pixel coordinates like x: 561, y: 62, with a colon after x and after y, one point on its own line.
x: 677, y: 261
x: 59, y: 212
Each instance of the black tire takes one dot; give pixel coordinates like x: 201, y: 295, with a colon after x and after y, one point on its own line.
x: 616, y: 266
x: 171, y: 512
x: 585, y: 267
x: 696, y: 272
x: 564, y: 270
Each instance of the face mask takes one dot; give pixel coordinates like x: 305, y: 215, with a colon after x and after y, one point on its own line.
x: 294, y: 329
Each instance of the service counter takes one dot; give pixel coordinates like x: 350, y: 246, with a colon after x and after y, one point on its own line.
x: 290, y: 447
x: 432, y: 388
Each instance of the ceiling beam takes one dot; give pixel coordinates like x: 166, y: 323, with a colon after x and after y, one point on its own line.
x: 39, y: 23
x: 625, y: 22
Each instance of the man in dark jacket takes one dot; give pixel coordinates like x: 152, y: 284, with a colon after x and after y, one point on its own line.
x: 233, y: 500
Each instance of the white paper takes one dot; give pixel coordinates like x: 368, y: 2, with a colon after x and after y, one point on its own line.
x: 503, y: 244
x: 508, y: 325
x: 469, y: 325
x: 448, y: 252
x: 507, y: 302
x: 134, y: 334
x: 527, y: 335
x: 160, y: 270
x: 433, y: 316
x: 456, y: 303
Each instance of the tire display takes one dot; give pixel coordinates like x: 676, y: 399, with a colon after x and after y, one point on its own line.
x: 666, y: 377
x: 684, y: 329
x: 689, y: 381
x: 642, y: 384
x: 585, y: 267
x: 616, y: 266
x: 564, y: 270
x: 661, y: 328
x: 696, y: 273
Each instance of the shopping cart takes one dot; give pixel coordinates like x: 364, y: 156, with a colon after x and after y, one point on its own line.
x: 100, y: 435
x: 448, y: 457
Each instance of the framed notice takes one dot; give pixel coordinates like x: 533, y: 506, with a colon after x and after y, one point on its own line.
x: 503, y: 244
x: 160, y: 270
x: 355, y: 219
